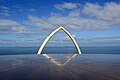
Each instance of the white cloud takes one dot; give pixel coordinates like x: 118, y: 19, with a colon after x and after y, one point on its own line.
x: 39, y: 22
x: 8, y: 22
x: 106, y: 17
x: 70, y: 22
x: 21, y: 29
x: 109, y: 12
x: 66, y: 5
x: 11, y: 26
x: 90, y: 40
x: 4, y: 11
x: 4, y: 7
x: 97, y: 18
x: 100, y: 39
x: 74, y: 13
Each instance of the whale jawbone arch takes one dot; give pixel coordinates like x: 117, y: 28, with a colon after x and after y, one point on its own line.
x: 52, y: 33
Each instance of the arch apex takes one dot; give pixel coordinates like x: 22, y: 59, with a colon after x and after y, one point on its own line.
x: 61, y: 27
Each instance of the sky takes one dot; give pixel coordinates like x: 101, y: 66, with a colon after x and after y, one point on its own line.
x: 26, y: 23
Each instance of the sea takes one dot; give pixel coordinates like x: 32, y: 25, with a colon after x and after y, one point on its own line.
x: 59, y: 50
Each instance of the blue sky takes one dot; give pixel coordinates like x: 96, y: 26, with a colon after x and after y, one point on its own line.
x: 28, y: 22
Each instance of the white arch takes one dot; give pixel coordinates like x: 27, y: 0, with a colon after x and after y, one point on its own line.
x: 51, y: 34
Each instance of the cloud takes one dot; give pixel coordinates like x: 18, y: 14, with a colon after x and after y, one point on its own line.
x: 30, y: 41
x: 4, y: 7
x: 78, y: 23
x: 4, y: 11
x: 11, y: 26
x: 74, y: 13
x: 96, y: 17
x: 99, y: 40
x: 8, y: 22
x: 70, y: 22
x: 21, y: 29
x: 109, y: 12
x: 87, y: 40
x: 66, y: 5
x: 41, y: 23
x: 90, y: 17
